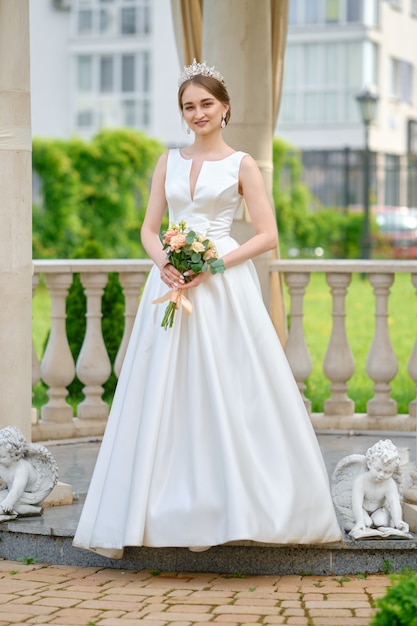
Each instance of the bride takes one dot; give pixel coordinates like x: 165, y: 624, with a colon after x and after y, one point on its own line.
x: 208, y: 440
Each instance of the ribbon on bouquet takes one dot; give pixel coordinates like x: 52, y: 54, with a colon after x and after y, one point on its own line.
x: 176, y: 296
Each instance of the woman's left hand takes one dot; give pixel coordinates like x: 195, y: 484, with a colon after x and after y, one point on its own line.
x: 196, y: 279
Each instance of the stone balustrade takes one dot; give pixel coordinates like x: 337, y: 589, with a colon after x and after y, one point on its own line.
x: 93, y: 368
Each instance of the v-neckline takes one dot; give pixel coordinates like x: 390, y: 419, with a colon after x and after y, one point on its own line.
x: 190, y: 190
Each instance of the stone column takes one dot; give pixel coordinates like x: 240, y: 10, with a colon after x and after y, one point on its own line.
x: 237, y: 41
x: 15, y: 217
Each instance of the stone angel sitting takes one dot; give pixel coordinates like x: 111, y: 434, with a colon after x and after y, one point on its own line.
x: 366, y: 491
x: 28, y: 473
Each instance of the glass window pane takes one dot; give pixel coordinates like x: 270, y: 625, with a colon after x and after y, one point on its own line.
x: 106, y: 74
x: 332, y: 64
x: 312, y: 65
x: 332, y: 109
x: 371, y: 12
x: 405, y: 79
x: 288, y: 108
x: 353, y: 63
x: 290, y: 68
x: 146, y: 113
x: 84, y: 118
x: 128, y: 72
x: 85, y: 73
x: 128, y: 20
x: 332, y: 11
x: 312, y: 107
x: 354, y: 11
x: 369, y: 63
x: 107, y: 21
x: 85, y: 22
x: 129, y: 113
x: 352, y: 112
x: 144, y: 82
x: 312, y: 12
x: 292, y: 12
x: 144, y: 19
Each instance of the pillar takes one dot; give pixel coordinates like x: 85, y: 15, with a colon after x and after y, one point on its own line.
x: 15, y: 218
x: 237, y: 41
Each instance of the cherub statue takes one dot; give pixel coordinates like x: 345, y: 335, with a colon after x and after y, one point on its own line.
x: 28, y: 473
x: 366, y: 491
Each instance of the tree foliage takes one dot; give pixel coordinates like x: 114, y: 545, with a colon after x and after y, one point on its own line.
x: 304, y: 226
x: 92, y: 191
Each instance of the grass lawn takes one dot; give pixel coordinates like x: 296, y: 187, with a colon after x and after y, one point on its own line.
x: 360, y: 326
x: 360, y: 323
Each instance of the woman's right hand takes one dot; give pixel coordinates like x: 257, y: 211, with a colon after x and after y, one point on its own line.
x: 171, y: 276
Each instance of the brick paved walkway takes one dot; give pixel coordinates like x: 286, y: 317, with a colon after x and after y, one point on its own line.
x: 33, y: 593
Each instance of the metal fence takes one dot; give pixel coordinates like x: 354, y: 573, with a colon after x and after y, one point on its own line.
x: 335, y: 178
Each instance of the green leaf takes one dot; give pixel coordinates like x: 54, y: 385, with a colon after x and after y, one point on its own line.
x: 195, y: 257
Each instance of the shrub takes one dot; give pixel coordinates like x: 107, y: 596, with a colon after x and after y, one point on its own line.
x: 399, y: 605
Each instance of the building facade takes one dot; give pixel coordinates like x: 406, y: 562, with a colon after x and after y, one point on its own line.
x: 336, y: 48
x: 104, y: 63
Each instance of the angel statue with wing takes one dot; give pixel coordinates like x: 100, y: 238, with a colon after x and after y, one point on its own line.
x: 28, y: 473
x: 367, y: 491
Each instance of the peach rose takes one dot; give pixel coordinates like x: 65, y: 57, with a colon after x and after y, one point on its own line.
x: 210, y: 254
x: 177, y: 242
x: 169, y: 235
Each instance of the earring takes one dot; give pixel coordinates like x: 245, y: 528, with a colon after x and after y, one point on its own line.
x: 188, y: 131
x: 223, y: 122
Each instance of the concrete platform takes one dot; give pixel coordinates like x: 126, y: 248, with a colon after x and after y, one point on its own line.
x: 48, y: 538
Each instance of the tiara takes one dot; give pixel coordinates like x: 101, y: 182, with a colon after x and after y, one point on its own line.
x: 199, y: 69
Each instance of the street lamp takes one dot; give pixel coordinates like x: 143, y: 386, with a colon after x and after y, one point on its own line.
x: 367, y: 100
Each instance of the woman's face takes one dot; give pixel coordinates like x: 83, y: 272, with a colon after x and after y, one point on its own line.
x: 201, y: 110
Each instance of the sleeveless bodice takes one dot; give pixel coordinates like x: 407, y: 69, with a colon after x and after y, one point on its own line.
x: 216, y: 197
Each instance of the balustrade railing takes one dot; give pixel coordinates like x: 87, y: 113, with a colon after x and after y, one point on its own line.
x: 57, y: 369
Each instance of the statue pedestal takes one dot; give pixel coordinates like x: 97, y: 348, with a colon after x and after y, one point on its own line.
x: 410, y: 515
x: 61, y: 494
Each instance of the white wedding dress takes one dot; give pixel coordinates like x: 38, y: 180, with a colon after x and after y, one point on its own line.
x: 208, y: 440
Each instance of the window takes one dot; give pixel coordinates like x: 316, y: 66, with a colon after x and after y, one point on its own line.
x: 320, y: 12
x: 111, y: 18
x: 106, y: 74
x: 332, y: 11
x: 113, y: 90
x: 128, y: 72
x: 85, y: 73
x: 401, y: 80
x: 354, y: 11
x: 85, y: 21
x: 292, y: 12
x: 312, y: 12
x: 321, y: 81
x: 392, y: 180
x: 128, y: 19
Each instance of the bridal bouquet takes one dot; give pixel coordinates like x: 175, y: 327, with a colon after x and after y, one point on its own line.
x: 186, y: 250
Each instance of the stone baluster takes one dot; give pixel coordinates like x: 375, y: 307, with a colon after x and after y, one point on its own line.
x: 381, y: 364
x: 57, y: 367
x: 412, y: 365
x: 36, y: 366
x: 296, y: 347
x: 339, y: 364
x: 93, y: 363
x: 131, y: 284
